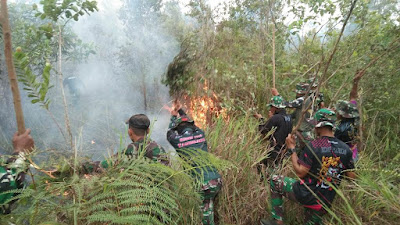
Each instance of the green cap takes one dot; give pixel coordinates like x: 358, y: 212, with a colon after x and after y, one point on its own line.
x: 347, y: 109
x: 277, y: 101
x: 301, y: 88
x: 325, y: 117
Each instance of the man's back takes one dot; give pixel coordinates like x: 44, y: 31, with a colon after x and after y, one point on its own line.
x: 283, y: 124
x: 191, y: 141
x: 153, y: 151
x: 327, y: 158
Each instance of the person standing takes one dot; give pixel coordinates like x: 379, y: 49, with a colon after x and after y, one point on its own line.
x: 189, y: 140
x: 282, y: 123
x: 348, y: 120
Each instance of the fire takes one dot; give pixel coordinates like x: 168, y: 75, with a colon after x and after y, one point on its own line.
x: 205, y: 107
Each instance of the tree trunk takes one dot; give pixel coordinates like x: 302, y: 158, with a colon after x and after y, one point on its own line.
x: 10, y: 67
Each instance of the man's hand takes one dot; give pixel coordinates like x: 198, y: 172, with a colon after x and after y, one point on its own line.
x: 23, y: 142
x: 290, y: 141
x: 274, y: 92
x: 171, y: 110
x: 176, y: 105
x: 257, y: 115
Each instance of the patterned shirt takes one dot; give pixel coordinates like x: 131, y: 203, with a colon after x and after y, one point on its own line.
x: 151, y: 149
x: 327, y: 158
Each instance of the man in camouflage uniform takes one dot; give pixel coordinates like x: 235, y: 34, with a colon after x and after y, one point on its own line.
x: 348, y: 120
x: 282, y: 123
x: 187, y: 139
x: 12, y: 172
x: 142, y: 145
x: 320, y: 166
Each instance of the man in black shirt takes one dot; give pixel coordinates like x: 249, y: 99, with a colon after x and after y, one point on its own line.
x: 281, y: 122
x: 320, y: 166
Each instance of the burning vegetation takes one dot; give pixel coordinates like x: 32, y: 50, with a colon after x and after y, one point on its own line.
x: 205, y: 107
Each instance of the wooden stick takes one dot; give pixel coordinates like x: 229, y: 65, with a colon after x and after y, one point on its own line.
x: 273, y: 46
x: 273, y: 56
x: 10, y: 67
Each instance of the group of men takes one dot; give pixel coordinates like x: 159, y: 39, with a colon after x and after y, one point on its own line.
x: 320, y: 159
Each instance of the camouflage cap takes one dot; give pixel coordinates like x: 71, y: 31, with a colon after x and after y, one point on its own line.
x: 347, y: 109
x: 313, y: 81
x: 325, y: 117
x: 278, y: 102
x: 301, y: 88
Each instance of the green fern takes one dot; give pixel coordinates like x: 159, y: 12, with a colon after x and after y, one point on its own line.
x: 128, y: 192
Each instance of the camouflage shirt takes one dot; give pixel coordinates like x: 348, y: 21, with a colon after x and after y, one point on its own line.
x: 152, y: 150
x: 12, y: 175
x: 297, y: 104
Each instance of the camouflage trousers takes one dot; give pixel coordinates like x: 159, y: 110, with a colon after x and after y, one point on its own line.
x: 209, y: 191
x: 283, y: 186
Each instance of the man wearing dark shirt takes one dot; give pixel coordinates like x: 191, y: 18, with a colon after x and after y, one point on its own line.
x: 281, y: 122
x: 348, y: 120
x: 188, y: 141
x: 320, y: 166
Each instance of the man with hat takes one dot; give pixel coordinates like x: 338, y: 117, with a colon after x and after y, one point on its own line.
x: 139, y: 127
x: 282, y: 123
x: 142, y: 145
x: 189, y: 140
x: 348, y: 120
x: 320, y: 166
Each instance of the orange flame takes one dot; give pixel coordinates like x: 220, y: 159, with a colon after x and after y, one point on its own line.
x: 205, y: 107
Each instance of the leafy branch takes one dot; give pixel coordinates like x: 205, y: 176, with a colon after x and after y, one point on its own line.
x: 37, y: 89
x: 66, y: 9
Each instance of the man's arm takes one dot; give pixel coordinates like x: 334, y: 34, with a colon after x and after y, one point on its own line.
x: 354, y: 89
x: 267, y: 126
x: 351, y: 175
x: 300, y: 169
x: 297, y: 103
